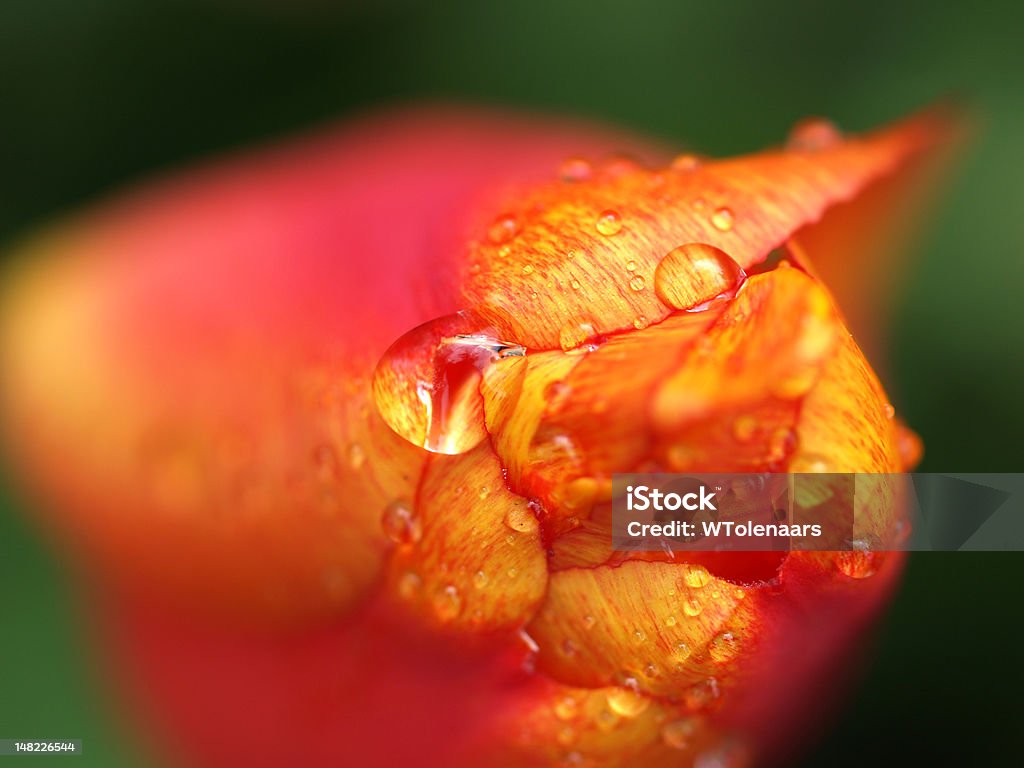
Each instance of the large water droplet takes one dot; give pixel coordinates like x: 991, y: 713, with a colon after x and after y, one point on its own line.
x: 427, y: 385
x: 693, y: 274
x: 400, y: 523
x: 609, y: 223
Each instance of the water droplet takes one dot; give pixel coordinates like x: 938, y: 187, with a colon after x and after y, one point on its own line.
x: 480, y: 579
x: 569, y: 648
x: 702, y: 694
x: 400, y: 523
x: 722, y: 219
x: 691, y: 607
x: 575, y: 335
x: 484, y: 492
x: 503, y: 229
x: 694, y: 274
x: 678, y: 734
x: 813, y: 134
x: 860, y: 562
x: 628, y: 701
x: 637, y: 282
x: 609, y: 223
x: 512, y: 573
x: 639, y: 637
x: 356, y: 456
x: 685, y: 163
x: 890, y: 411
x: 447, y: 603
x: 640, y: 322
x: 521, y: 519
x: 631, y: 266
x: 527, y: 269
x: 575, y: 169
x: 427, y: 385
x: 723, y: 647
x: 589, y: 621
x: 670, y: 621
x: 566, y: 708
x: 696, y: 576
x: 409, y: 585
x: 682, y: 651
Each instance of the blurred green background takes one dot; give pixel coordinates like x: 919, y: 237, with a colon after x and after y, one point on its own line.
x: 97, y: 93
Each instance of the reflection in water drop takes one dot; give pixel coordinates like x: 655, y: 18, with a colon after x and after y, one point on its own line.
x: 427, y: 385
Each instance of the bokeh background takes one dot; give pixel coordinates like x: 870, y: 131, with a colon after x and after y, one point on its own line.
x: 97, y: 93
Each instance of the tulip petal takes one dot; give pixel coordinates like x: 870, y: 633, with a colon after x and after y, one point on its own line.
x: 186, y: 371
x: 583, y: 253
x: 478, y: 563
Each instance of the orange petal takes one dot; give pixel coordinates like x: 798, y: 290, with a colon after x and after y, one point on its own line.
x: 583, y: 254
x: 469, y: 556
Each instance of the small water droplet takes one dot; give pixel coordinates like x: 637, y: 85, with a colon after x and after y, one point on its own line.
x: 640, y: 322
x: 890, y: 411
x: 691, y: 607
x: 503, y: 229
x: 678, y: 734
x: 702, y: 694
x: 690, y: 276
x: 569, y: 648
x: 781, y: 444
x: 484, y: 492
x: 566, y: 736
x: 639, y: 637
x: 627, y: 701
x: 631, y: 266
x: 574, y: 335
x: 400, y: 523
x: 512, y: 573
x: 637, y: 282
x: 519, y: 518
x: 813, y: 134
x: 682, y: 651
x: 696, y: 576
x: 670, y: 621
x: 527, y: 269
x: 685, y: 163
x: 447, y: 603
x: 609, y: 223
x: 589, y: 621
x: 723, y: 648
x: 480, y: 579
x: 722, y: 219
x: 575, y: 169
